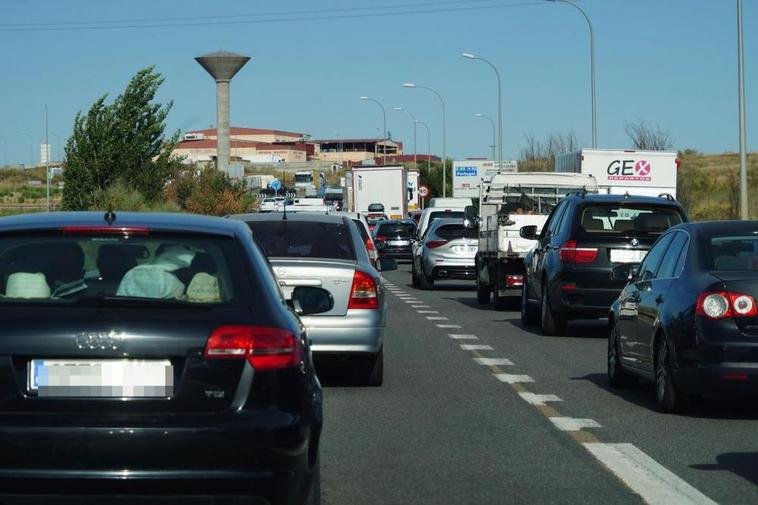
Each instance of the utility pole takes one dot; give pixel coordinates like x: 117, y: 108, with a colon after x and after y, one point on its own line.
x: 744, y: 210
x: 47, y: 162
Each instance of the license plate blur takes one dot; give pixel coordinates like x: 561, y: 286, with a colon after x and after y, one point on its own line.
x: 627, y: 255
x: 114, y: 378
x: 398, y: 242
x: 463, y: 249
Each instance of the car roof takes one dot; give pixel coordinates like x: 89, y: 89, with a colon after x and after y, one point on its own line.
x: 159, y: 221
x: 308, y: 217
x: 710, y: 228
x: 654, y: 200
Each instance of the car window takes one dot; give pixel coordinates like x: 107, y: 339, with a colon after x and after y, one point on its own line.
x: 681, y: 262
x: 564, y: 220
x: 671, y: 257
x: 734, y: 253
x: 395, y: 229
x: 62, y: 269
x: 455, y: 231
x: 554, y: 219
x: 623, y: 218
x: 303, y: 239
x: 649, y: 266
x: 361, y: 230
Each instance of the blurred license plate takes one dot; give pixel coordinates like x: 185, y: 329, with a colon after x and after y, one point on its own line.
x: 627, y: 255
x: 464, y: 249
x: 398, y: 242
x: 101, y: 378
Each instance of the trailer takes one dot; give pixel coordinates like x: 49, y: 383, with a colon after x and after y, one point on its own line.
x: 386, y: 185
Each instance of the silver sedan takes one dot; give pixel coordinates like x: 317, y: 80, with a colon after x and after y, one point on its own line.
x: 313, y: 249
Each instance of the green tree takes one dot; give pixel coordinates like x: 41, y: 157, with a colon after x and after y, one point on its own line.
x: 209, y: 191
x: 122, y: 142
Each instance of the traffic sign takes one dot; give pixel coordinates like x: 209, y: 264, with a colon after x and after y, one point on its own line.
x: 276, y: 185
x: 423, y: 191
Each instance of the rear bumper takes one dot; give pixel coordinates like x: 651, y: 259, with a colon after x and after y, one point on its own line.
x: 403, y: 252
x: 359, y: 331
x: 264, y: 453
x: 572, y: 298
x: 454, y: 272
x: 718, y: 378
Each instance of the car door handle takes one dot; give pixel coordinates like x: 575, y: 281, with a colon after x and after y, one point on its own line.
x: 659, y: 299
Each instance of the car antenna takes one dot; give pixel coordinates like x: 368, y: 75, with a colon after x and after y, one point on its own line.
x: 110, y: 216
x: 284, y: 217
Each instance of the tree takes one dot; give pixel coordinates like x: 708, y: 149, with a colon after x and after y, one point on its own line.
x: 209, y: 191
x: 538, y: 156
x: 121, y: 142
x: 647, y: 138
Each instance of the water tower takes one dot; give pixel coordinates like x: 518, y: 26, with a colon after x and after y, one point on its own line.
x: 222, y: 66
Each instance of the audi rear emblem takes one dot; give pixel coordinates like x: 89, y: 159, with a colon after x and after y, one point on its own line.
x: 99, y: 341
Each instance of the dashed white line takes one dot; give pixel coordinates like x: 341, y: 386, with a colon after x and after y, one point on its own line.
x: 476, y: 347
x: 653, y: 482
x: 494, y: 361
x: 513, y: 379
x: 573, y: 423
x: 462, y: 336
x: 412, y: 301
x: 419, y: 306
x: 449, y: 326
x: 535, y: 399
x: 428, y: 311
x: 437, y: 318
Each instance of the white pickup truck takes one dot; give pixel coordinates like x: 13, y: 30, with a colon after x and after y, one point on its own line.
x: 507, y: 202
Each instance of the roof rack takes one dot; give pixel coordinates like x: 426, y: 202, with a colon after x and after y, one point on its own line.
x: 667, y: 196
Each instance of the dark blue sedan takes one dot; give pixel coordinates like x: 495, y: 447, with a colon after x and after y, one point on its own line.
x: 687, y: 320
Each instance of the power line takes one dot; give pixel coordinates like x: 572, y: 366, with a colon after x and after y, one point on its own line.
x: 273, y: 18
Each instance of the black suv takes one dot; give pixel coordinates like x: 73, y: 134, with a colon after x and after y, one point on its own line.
x: 568, y: 273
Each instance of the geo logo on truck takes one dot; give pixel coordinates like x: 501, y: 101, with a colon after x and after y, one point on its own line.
x: 628, y: 170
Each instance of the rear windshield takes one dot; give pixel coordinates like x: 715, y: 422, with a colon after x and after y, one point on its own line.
x: 734, y: 252
x: 395, y: 229
x: 448, y: 214
x: 303, y: 239
x: 361, y: 229
x: 375, y: 219
x: 103, y: 269
x: 623, y: 219
x: 455, y: 231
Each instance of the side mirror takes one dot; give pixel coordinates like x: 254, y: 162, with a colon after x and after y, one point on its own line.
x: 469, y: 217
x: 528, y: 232
x: 624, y: 273
x: 311, y: 300
x: 387, y: 264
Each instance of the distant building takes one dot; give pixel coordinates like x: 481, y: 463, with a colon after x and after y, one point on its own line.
x: 354, y: 151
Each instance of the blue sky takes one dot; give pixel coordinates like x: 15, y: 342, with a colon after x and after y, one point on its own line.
x: 667, y: 62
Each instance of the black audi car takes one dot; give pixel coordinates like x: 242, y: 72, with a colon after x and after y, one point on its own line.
x: 152, y: 353
x: 568, y: 273
x: 393, y: 238
x: 688, y: 319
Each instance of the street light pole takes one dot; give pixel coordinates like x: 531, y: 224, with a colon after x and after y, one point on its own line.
x: 444, y: 132
x: 744, y: 211
x: 384, y: 123
x: 428, y: 143
x: 499, y: 106
x: 415, y: 147
x: 592, y: 68
x: 47, y: 163
x: 485, y: 116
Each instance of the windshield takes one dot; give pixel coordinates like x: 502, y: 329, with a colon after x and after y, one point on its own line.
x: 734, y: 252
x: 455, y: 231
x: 57, y: 269
x: 623, y: 219
x: 375, y: 218
x: 303, y: 239
x: 303, y: 178
x: 448, y: 214
x: 395, y: 229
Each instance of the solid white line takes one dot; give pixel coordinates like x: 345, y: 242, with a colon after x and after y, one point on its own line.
x: 493, y: 361
x: 653, y: 482
x: 461, y: 336
x: 449, y: 326
x: 573, y: 423
x: 436, y: 318
x: 513, y: 379
x: 476, y: 347
x: 534, y: 399
x: 428, y: 311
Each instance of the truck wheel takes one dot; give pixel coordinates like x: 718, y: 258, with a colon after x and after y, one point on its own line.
x: 482, y: 293
x: 551, y: 322
x: 530, y: 316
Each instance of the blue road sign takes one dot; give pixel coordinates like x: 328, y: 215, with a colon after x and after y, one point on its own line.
x: 276, y: 185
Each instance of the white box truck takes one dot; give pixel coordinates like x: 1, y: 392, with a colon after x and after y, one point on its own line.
x: 387, y: 185
x: 617, y: 171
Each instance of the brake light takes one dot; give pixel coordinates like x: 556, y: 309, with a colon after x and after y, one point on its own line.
x: 570, y: 253
x: 363, y: 294
x: 263, y: 347
x: 723, y: 304
x: 380, y: 238
x: 107, y: 230
x: 369, y: 245
x: 514, y: 281
x: 433, y: 244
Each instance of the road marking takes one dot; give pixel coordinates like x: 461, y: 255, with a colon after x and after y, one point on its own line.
x: 462, y: 336
x: 428, y: 311
x: 573, y: 423
x: 419, y: 306
x: 412, y: 301
x: 437, y: 318
x: 476, y: 347
x: 535, y: 399
x: 653, y: 482
x: 450, y: 326
x: 513, y: 379
x: 493, y: 361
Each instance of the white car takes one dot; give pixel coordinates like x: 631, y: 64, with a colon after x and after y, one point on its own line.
x: 271, y: 204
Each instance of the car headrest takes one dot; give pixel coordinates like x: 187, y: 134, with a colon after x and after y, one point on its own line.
x: 27, y: 285
x: 203, y: 288
x: 150, y: 281
x: 593, y: 224
x: 623, y: 225
x: 653, y: 222
x: 731, y: 263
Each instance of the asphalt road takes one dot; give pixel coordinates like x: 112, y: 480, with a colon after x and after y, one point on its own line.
x: 468, y: 425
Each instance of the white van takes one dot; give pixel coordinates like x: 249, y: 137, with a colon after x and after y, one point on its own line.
x: 451, y: 203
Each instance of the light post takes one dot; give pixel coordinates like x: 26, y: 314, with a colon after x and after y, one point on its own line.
x: 741, y: 91
x: 592, y: 68
x: 428, y: 143
x: 444, y: 132
x: 384, y: 124
x: 485, y: 116
x: 499, y: 106
x: 31, y: 148
x: 47, y: 163
x: 415, y: 147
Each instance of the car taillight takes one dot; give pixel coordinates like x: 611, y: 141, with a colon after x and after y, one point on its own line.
x: 380, y: 238
x: 570, y: 253
x: 106, y: 230
x: 369, y: 245
x: 514, y: 281
x: 263, y: 347
x: 363, y: 294
x: 433, y: 244
x: 723, y: 304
